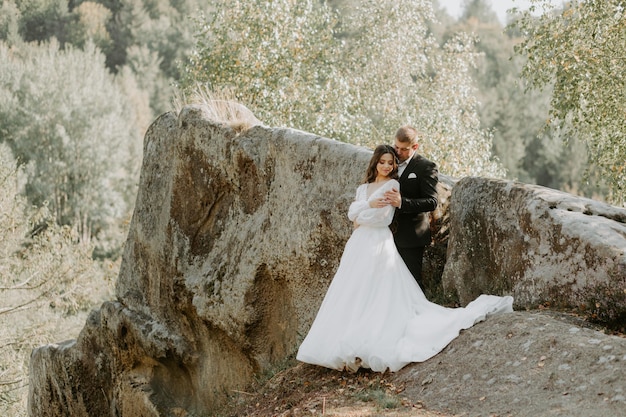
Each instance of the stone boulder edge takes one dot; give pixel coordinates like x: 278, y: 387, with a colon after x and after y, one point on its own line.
x: 539, y: 245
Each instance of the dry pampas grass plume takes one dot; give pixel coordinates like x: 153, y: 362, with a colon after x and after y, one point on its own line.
x: 219, y: 106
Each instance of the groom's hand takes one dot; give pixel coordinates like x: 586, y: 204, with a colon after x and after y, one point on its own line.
x: 379, y: 202
x: 393, y: 197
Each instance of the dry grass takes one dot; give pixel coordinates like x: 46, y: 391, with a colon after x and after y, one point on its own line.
x: 220, y: 106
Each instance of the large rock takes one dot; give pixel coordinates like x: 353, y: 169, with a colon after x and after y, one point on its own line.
x: 540, y: 245
x: 233, y: 242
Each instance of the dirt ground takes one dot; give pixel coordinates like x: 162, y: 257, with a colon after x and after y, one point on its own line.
x: 522, y: 364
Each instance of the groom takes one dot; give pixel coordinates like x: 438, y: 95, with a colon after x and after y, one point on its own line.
x: 417, y: 196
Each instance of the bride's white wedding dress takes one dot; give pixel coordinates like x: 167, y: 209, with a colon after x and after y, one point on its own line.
x: 374, y: 314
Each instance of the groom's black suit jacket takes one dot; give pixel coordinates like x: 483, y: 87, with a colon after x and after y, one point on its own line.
x: 418, y: 187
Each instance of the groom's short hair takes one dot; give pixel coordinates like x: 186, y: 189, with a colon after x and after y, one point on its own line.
x: 407, y: 134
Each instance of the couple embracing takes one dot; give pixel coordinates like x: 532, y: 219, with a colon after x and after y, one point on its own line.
x: 374, y: 314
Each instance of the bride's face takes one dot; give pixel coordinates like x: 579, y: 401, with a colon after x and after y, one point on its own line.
x: 385, y: 165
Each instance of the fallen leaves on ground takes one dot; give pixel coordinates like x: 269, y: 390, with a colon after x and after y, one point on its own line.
x: 307, y: 390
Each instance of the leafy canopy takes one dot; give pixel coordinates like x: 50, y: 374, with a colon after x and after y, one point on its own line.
x: 70, y: 124
x: 354, y: 77
x: 580, y: 51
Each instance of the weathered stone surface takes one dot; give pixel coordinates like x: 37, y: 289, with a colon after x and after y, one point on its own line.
x: 525, y: 364
x: 234, y: 240
x: 435, y: 255
x: 539, y: 245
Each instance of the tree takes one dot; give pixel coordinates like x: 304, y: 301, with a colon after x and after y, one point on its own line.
x: 48, y: 284
x: 579, y: 52
x: 516, y: 112
x: 278, y: 57
x: 43, y: 19
x: 355, y: 77
x: 150, y: 37
x: 88, y: 23
x: 9, y: 22
x: 480, y: 10
x: 514, y: 118
x: 70, y: 124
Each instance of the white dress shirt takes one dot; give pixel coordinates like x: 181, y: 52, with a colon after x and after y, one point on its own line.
x: 402, y: 166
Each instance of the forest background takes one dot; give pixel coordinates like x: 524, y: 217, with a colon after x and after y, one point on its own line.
x: 80, y: 81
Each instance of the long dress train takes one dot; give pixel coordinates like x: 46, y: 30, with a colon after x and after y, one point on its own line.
x: 374, y: 315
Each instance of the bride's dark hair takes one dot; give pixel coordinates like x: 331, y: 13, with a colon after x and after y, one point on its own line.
x: 370, y: 173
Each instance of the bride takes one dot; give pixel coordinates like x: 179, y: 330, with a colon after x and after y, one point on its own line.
x: 374, y: 314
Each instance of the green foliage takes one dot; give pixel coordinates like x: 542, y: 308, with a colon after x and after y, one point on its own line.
x: 88, y: 23
x: 48, y: 282
x: 514, y: 118
x: 43, y: 19
x: 71, y: 125
x: 355, y: 79
x: 516, y: 112
x: 277, y: 56
x: 146, y: 35
x: 150, y: 37
x: 480, y: 10
x: 402, y: 76
x: 578, y: 51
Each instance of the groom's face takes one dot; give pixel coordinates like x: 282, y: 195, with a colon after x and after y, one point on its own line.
x: 404, y: 150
